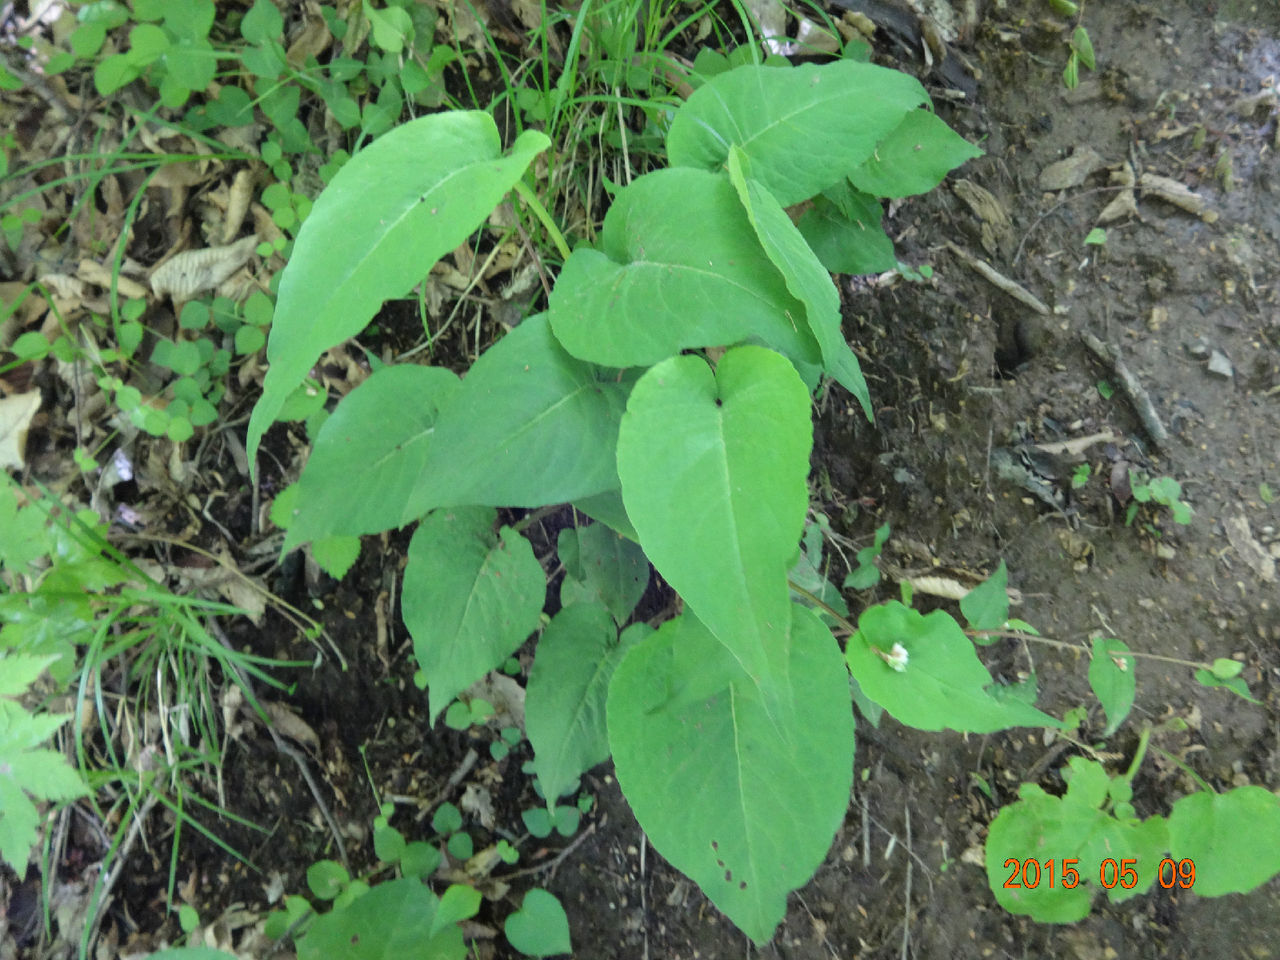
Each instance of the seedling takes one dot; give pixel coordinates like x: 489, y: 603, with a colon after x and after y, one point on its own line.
x: 1161, y: 490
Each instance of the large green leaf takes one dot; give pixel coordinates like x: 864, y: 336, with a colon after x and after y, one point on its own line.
x: 564, y: 709
x: 713, y: 469
x: 844, y: 231
x: 529, y: 426
x: 678, y: 267
x: 1233, y: 838
x: 393, y: 921
x: 805, y: 277
x: 803, y: 128
x: 390, y: 213
x: 923, y: 670
x: 470, y: 598
x: 370, y: 454
x: 741, y: 797
x: 914, y: 158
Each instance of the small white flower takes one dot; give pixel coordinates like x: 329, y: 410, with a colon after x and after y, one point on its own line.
x: 897, y: 657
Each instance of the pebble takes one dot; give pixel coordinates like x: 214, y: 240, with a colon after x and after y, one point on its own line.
x: 1220, y: 366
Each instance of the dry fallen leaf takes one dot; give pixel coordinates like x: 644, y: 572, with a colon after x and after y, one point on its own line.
x: 192, y: 273
x: 15, y: 419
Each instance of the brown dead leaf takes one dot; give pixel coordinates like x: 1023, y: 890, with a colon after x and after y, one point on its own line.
x: 90, y: 271
x: 238, y: 199
x: 291, y: 725
x: 313, y: 40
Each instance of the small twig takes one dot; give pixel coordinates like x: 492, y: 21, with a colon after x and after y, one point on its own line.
x: 1015, y: 290
x: 1134, y: 390
x: 906, y: 917
x: 555, y: 862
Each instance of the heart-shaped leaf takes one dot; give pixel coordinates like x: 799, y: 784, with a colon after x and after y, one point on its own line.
x: 539, y: 928
x: 470, y: 598
x: 740, y: 794
x: 713, y: 469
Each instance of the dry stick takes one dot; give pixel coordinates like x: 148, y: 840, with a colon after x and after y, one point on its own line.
x: 247, y: 682
x: 906, y: 917
x: 1141, y: 401
x: 122, y: 858
x: 553, y: 864
x: 1015, y: 290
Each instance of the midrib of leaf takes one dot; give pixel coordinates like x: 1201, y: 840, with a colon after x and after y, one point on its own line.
x: 403, y: 446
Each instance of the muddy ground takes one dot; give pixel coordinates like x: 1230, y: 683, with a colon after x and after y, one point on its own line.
x: 963, y: 376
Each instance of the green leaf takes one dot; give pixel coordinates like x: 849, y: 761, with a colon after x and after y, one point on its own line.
x: 1225, y: 668
x: 678, y: 266
x: 607, y: 508
x: 392, y: 27
x: 419, y: 859
x: 470, y: 598
x: 713, y: 469
x: 914, y: 158
x: 986, y: 606
x: 263, y: 22
x: 147, y: 43
x: 327, y: 879
x: 539, y: 928
x: 1112, y: 677
x: 1071, y: 828
x: 1233, y: 838
x: 191, y: 953
x: 371, y: 454
x: 835, y: 114
x: 742, y: 796
x: 460, y: 846
x: 114, y: 72
x: 249, y: 340
x: 1083, y: 46
x: 390, y: 213
x: 804, y: 275
x: 396, y: 919
x: 924, y: 671
x: 447, y: 819
x: 602, y: 567
x: 847, y: 236
x: 565, y: 697
x: 530, y: 426
x: 20, y: 669
x: 335, y: 555
x: 460, y: 902
x: 1235, y: 684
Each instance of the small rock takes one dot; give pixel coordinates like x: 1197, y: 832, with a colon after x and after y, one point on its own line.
x: 1198, y: 349
x: 1220, y: 366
